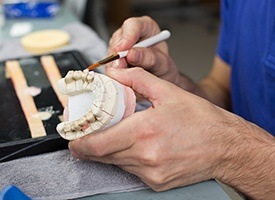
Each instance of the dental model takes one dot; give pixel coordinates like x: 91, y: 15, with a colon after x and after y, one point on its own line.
x: 95, y: 102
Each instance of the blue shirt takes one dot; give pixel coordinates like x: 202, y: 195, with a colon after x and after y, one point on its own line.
x: 247, y: 44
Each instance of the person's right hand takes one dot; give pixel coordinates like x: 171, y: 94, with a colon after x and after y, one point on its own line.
x: 154, y: 59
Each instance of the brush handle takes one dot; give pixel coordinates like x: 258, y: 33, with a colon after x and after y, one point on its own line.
x: 163, y: 35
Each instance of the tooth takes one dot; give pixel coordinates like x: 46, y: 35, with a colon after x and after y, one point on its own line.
x: 90, y: 117
x: 77, y: 75
x: 96, y: 111
x: 82, y: 121
x: 67, y: 128
x: 62, y: 86
x: 75, y: 126
x: 90, y: 78
x: 85, y: 73
x: 69, y: 77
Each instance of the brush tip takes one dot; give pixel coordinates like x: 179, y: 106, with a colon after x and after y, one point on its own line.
x: 93, y: 66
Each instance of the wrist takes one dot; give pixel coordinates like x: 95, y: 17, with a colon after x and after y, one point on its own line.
x: 247, y: 161
x: 185, y: 83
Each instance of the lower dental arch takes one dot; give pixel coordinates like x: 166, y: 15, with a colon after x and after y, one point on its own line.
x: 95, y: 102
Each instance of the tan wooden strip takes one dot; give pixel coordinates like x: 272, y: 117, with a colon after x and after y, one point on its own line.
x: 16, y: 74
x: 54, y: 76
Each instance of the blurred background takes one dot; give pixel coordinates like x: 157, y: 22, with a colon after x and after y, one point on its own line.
x: 194, y: 25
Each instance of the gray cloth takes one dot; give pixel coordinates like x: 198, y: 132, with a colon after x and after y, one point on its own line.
x: 58, y: 175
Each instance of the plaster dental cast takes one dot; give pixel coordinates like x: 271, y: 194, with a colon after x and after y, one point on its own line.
x: 95, y: 102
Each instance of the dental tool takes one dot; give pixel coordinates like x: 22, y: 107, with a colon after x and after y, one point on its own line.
x: 163, y: 35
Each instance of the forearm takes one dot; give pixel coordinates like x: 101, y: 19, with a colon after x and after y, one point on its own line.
x: 249, y: 163
x: 210, y: 90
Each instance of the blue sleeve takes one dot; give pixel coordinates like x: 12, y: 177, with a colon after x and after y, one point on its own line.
x: 223, y: 42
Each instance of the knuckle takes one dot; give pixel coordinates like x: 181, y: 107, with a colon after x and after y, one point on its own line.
x: 149, y: 159
x: 97, y: 150
x: 137, y: 70
x: 151, y: 22
x: 115, y: 38
x: 155, y: 180
x: 152, y: 59
x: 132, y: 21
x: 148, y: 19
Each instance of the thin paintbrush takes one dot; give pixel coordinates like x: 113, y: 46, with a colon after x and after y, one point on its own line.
x: 145, y: 43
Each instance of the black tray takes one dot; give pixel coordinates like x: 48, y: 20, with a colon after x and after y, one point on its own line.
x: 15, y: 138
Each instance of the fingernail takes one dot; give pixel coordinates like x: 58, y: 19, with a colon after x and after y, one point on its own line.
x: 115, y: 64
x: 136, y: 56
x: 70, y: 146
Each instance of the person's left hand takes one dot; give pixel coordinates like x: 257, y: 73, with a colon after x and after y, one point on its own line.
x: 177, y: 141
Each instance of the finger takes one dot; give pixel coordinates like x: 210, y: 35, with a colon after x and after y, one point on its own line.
x: 149, y: 86
x: 115, y: 39
x: 122, y: 158
x: 138, y: 171
x: 152, y: 59
x: 135, y: 29
x: 132, y: 30
x: 118, y: 138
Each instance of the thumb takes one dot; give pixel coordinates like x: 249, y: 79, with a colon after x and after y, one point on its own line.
x: 142, y: 82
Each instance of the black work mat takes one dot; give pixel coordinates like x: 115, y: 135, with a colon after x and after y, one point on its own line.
x: 15, y: 136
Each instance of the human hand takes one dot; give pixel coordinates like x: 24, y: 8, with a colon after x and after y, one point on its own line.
x: 180, y: 140
x: 155, y: 59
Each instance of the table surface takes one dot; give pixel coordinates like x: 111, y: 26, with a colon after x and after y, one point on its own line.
x: 208, y: 190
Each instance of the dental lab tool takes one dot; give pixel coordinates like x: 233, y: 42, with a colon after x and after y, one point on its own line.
x: 163, y: 35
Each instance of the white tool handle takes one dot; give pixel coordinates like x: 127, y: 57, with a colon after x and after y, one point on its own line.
x: 163, y: 35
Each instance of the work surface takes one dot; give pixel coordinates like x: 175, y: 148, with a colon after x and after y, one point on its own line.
x: 206, y: 190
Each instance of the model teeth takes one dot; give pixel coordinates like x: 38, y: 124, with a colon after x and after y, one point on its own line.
x: 67, y: 128
x: 77, y: 75
x: 102, y: 108
x: 82, y: 121
x: 90, y: 117
x: 69, y: 77
x: 96, y: 111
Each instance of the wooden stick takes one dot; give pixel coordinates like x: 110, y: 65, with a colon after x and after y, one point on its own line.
x: 16, y: 74
x: 54, y: 76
